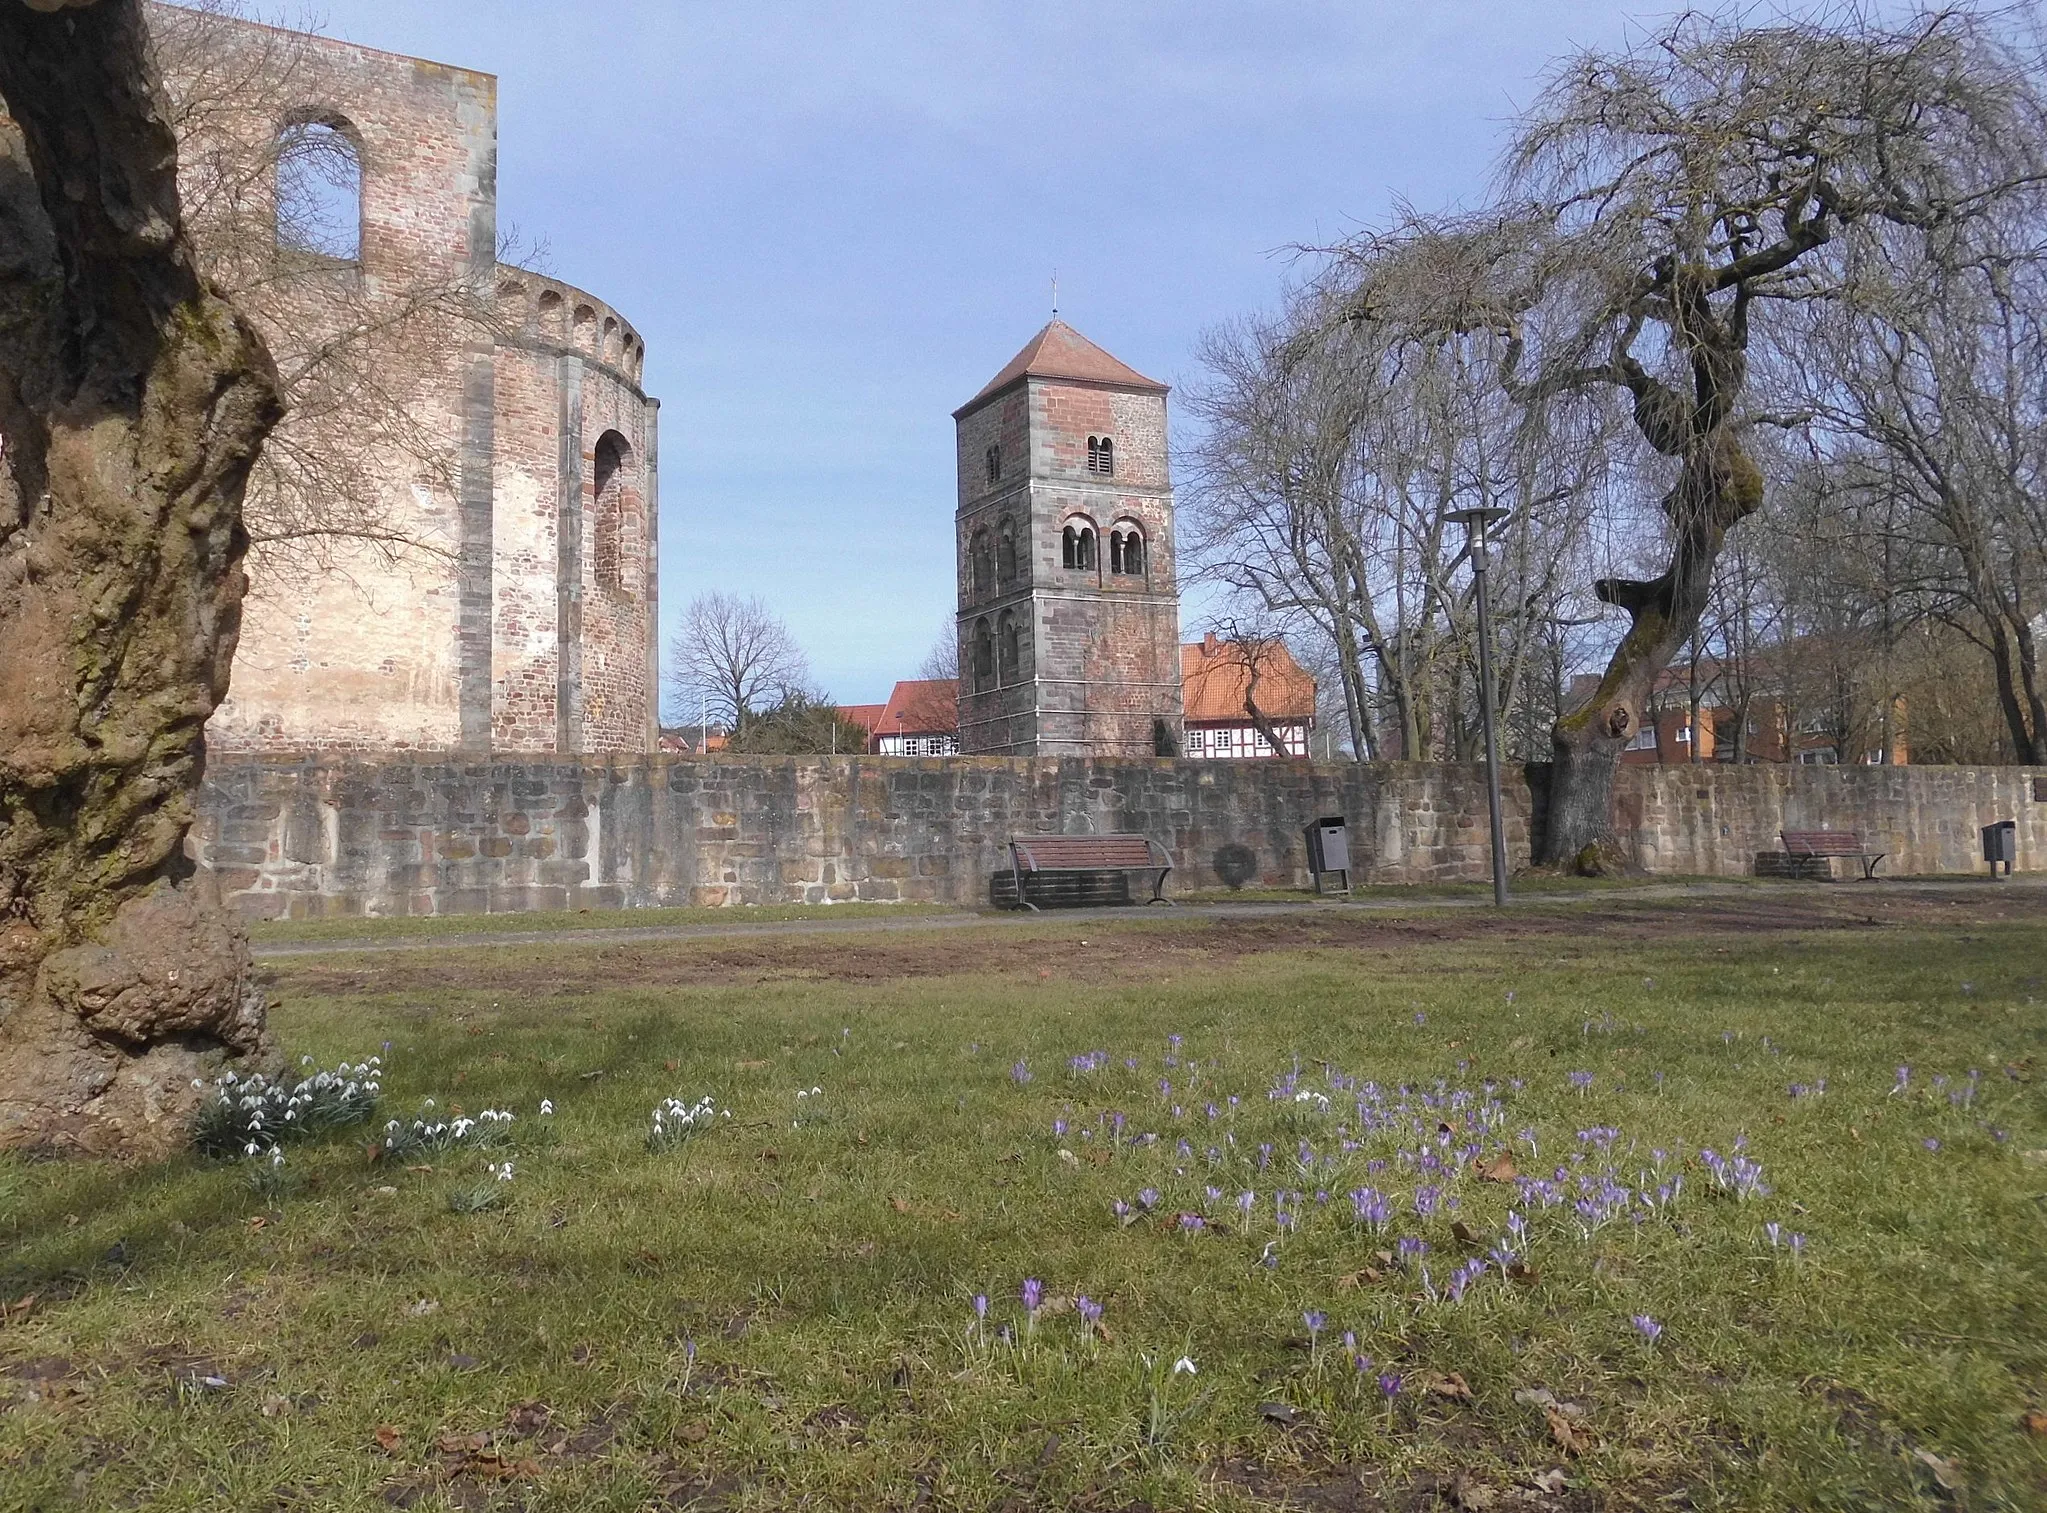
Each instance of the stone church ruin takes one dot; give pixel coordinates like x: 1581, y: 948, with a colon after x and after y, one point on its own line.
x: 505, y: 599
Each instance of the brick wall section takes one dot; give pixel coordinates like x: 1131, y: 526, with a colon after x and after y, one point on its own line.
x: 323, y: 836
x: 502, y: 641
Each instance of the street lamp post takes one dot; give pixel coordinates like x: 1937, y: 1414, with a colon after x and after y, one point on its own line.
x: 1476, y: 523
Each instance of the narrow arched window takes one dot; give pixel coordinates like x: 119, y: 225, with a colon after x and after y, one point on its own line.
x: 1085, y: 552
x: 614, y: 513
x: 1007, y: 647
x: 995, y: 463
x: 319, y: 191
x: 1126, y: 552
x: 1069, y: 547
x: 1005, y: 549
x: 1101, y: 456
x: 978, y: 563
x: 984, y: 657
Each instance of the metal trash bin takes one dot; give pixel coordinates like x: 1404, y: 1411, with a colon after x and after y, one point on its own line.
x: 1329, y: 849
x: 2001, y: 844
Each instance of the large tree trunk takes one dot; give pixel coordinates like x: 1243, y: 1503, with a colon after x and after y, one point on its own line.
x: 132, y: 404
x: 1717, y: 485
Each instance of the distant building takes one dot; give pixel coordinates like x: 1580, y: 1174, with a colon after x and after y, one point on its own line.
x: 1220, y: 679
x: 1778, y: 727
x: 921, y: 718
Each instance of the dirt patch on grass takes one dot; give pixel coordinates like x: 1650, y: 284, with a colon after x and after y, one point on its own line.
x: 1146, y: 947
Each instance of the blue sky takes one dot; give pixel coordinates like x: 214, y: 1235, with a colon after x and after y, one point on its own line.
x: 833, y: 223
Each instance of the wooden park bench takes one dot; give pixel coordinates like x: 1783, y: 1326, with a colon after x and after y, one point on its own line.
x: 1816, y: 844
x: 1078, y: 870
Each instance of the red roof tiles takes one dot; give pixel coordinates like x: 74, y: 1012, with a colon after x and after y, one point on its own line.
x: 1214, y: 674
x: 1059, y: 351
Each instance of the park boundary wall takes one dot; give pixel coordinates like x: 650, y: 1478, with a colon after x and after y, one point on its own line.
x: 328, y: 835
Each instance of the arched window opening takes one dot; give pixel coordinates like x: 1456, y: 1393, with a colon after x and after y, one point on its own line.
x: 583, y: 330
x: 614, y: 523
x: 608, y: 351
x: 995, y: 463
x: 1069, y: 547
x: 984, y: 657
x: 1084, y: 549
x: 1005, y: 549
x: 1101, y: 456
x: 550, y: 314
x: 1126, y: 552
x: 978, y: 564
x: 1011, y: 644
x: 319, y: 191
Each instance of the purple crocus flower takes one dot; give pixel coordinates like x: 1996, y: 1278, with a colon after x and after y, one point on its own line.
x: 1020, y: 1073
x: 1389, y: 1383
x: 1033, y: 1294
x: 1314, y: 1322
x: 981, y: 1307
x: 1089, y: 1310
x: 1647, y: 1327
x: 1149, y: 1197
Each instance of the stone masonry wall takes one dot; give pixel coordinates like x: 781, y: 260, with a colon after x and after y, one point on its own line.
x: 494, y: 630
x: 326, y: 836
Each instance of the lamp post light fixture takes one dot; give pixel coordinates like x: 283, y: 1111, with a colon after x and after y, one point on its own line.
x: 1476, y: 523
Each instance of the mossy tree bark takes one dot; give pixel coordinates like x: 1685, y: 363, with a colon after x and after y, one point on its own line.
x: 133, y: 401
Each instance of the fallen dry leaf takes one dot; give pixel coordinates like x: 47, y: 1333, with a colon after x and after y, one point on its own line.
x: 697, y: 1432
x: 1946, y: 1472
x: 1523, y: 1273
x: 1352, y: 1281
x: 900, y: 1205
x: 1499, y: 1168
x: 462, y: 1444
x: 2033, y: 1421
x: 1463, y: 1233
x: 389, y: 1439
x: 1452, y: 1386
x: 1572, y: 1439
x: 277, y: 1406
x: 1551, y: 1481
x: 670, y: 1065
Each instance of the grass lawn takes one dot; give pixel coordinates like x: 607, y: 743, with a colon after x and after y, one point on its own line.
x: 1484, y: 1261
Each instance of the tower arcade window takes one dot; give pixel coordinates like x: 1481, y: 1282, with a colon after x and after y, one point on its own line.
x: 1077, y: 546
x: 984, y: 657
x: 1008, y: 647
x: 1101, y: 456
x: 979, y: 567
x: 995, y: 463
x: 1005, y: 549
x: 1126, y: 551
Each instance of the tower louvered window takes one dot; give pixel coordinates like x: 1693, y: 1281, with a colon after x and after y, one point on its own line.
x: 995, y: 463
x: 1101, y: 456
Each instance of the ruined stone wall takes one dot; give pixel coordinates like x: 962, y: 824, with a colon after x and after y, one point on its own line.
x: 329, y: 836
x: 489, y: 626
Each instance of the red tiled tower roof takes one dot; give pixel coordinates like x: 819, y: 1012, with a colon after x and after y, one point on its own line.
x: 1059, y: 351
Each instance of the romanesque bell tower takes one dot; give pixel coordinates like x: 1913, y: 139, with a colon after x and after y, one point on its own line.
x: 1069, y: 611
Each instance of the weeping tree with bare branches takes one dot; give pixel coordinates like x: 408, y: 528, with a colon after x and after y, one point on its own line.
x: 1660, y: 208
x: 133, y: 402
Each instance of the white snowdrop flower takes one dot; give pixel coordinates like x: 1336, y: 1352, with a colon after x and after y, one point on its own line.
x: 546, y: 1107
x: 250, y: 1149
x: 1184, y: 1364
